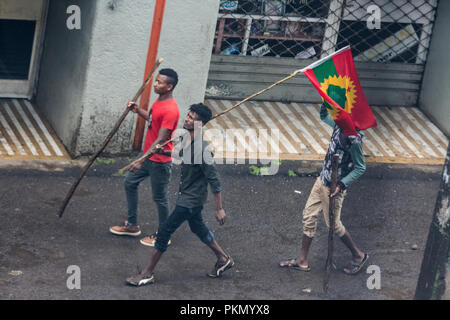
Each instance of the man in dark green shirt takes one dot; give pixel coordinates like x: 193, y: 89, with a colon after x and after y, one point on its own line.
x: 197, y: 171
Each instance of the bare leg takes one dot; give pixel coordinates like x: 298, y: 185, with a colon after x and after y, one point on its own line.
x: 218, y: 251
x: 224, y: 261
x: 153, y: 262
x: 357, y: 254
x: 302, y: 260
x: 146, y: 276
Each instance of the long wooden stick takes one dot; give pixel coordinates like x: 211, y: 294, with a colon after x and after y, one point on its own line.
x: 257, y: 94
x: 329, y: 262
x: 107, y: 140
x: 148, y: 154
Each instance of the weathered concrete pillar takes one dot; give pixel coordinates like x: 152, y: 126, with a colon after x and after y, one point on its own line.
x: 434, y: 278
x: 433, y: 96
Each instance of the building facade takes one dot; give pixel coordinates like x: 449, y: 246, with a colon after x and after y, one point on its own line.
x: 258, y: 42
x: 80, y: 61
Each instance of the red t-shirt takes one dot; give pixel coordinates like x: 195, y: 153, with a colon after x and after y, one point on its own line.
x: 162, y: 114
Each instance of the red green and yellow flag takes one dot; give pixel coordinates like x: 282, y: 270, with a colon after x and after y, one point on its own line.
x: 336, y: 80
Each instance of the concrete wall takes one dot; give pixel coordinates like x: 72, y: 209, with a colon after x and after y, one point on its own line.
x: 435, y: 94
x: 100, y: 67
x: 117, y: 62
x: 115, y: 71
x: 63, y: 69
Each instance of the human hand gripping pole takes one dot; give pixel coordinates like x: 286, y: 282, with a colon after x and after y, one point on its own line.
x: 108, y: 139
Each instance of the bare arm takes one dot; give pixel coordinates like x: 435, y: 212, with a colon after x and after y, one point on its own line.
x: 163, y: 134
x: 220, y: 212
x: 141, y: 112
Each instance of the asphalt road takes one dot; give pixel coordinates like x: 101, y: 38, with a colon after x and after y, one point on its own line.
x: 388, y: 213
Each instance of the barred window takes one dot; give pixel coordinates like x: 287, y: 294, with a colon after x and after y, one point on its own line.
x: 377, y: 30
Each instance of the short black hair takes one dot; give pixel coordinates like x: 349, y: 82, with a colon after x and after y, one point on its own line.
x: 204, y: 113
x: 172, y: 76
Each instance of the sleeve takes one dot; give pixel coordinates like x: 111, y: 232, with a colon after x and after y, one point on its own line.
x: 325, y: 116
x: 211, y: 174
x: 170, y: 120
x: 359, y: 165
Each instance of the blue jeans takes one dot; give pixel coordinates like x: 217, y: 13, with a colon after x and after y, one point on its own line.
x: 159, y: 174
x: 176, y: 219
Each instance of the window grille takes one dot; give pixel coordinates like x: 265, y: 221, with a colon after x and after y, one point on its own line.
x: 377, y: 30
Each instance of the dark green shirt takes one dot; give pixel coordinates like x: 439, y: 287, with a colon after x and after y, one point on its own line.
x: 197, y: 171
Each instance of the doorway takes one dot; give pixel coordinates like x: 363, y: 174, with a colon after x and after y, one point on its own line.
x: 22, y: 25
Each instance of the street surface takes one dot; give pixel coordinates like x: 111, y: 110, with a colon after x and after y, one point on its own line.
x: 388, y: 213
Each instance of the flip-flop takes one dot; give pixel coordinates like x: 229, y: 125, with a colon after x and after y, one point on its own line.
x: 356, y: 267
x: 292, y: 264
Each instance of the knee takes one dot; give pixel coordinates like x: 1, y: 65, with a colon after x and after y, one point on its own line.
x: 309, y: 230
x: 162, y: 238
x: 339, y: 228
x: 202, y: 232
x: 160, y: 195
x: 161, y: 244
x: 207, y: 237
x: 129, y: 184
x: 309, y: 222
x: 161, y: 200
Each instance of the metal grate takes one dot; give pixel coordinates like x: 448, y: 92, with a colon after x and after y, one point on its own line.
x: 377, y: 30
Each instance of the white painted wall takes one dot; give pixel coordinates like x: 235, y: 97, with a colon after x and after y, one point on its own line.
x: 435, y: 94
x: 115, y: 71
x: 63, y: 68
x: 186, y: 45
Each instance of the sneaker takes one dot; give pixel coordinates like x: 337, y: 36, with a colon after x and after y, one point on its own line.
x: 141, y: 280
x: 221, y: 267
x: 126, y: 230
x: 151, y: 240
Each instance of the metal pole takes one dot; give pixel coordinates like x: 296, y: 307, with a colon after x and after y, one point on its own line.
x: 151, y: 59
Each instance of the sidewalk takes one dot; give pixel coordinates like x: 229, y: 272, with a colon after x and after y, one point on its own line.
x: 403, y: 135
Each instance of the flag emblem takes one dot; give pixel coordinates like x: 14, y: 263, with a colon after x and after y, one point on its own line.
x: 348, y: 90
x: 336, y: 80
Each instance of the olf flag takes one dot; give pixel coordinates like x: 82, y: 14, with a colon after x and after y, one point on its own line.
x: 336, y: 80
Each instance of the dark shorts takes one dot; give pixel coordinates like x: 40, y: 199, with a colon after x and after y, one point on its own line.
x: 176, y: 219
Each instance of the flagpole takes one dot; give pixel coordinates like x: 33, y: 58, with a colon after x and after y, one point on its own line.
x: 148, y: 154
x: 314, y: 64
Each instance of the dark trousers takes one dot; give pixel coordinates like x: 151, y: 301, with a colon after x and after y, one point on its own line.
x: 159, y: 174
x: 176, y: 219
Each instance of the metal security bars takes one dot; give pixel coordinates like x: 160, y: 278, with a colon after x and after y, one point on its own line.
x: 377, y: 30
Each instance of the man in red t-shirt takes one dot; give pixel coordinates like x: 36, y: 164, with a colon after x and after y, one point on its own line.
x: 162, y: 119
